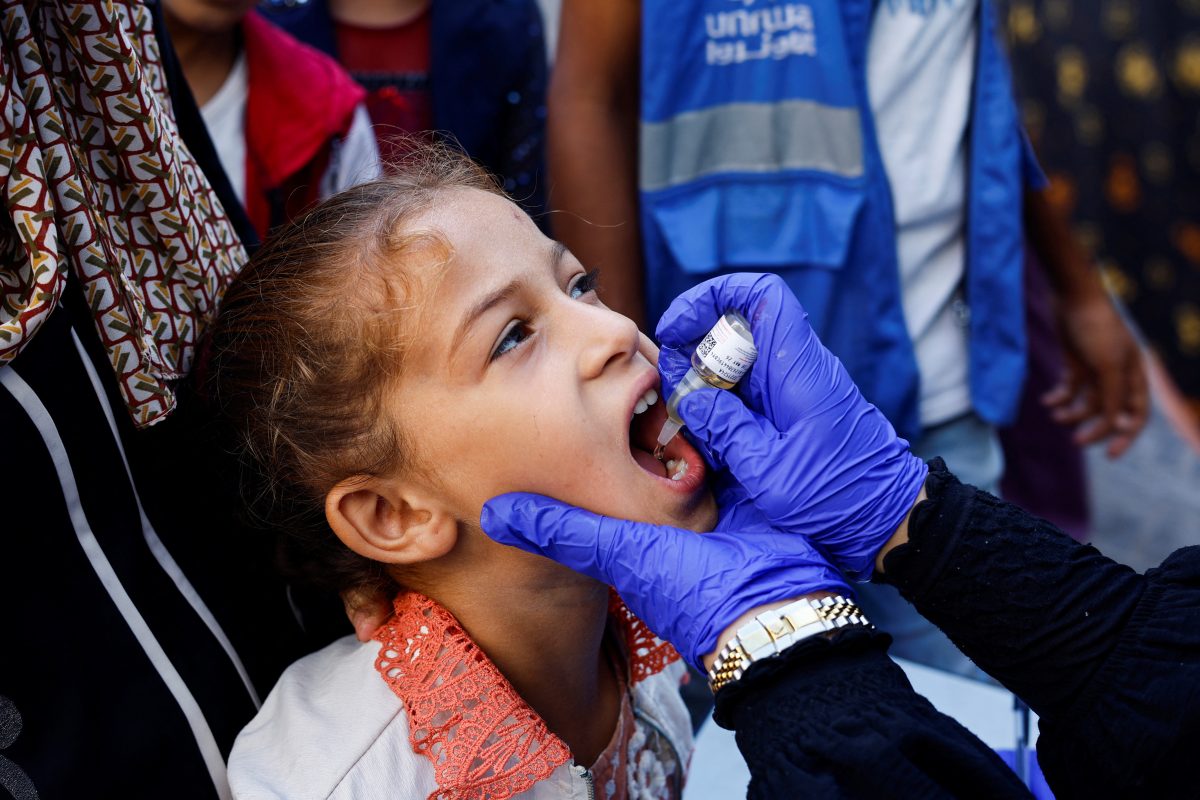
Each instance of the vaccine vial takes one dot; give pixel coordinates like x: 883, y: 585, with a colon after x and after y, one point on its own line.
x: 721, y: 359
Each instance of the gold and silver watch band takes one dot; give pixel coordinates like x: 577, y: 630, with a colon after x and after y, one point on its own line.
x: 776, y: 630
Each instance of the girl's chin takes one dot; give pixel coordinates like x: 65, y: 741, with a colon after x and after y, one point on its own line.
x: 696, y: 511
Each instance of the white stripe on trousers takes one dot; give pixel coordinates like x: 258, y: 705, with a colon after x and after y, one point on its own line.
x: 168, y: 563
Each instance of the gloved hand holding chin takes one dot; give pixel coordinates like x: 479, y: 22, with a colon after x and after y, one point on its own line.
x: 686, y: 586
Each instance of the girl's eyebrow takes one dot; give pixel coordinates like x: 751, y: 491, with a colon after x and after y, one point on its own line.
x: 492, y: 299
x: 557, y: 251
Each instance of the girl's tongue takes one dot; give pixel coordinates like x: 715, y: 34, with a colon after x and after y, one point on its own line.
x: 648, y: 462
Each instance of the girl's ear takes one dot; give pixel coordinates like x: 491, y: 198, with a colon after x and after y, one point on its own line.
x: 390, y: 521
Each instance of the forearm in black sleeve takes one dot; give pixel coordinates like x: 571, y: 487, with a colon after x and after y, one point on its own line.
x: 1110, y: 659
x: 836, y: 718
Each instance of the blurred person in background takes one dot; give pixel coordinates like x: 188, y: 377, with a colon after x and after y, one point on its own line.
x: 289, y: 124
x: 470, y: 70
x: 1111, y: 98
x: 871, y: 154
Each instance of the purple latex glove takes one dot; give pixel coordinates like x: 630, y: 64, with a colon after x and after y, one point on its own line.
x: 814, y: 456
x: 686, y: 586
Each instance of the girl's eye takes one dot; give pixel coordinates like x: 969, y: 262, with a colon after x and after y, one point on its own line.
x: 517, y: 332
x: 587, y: 283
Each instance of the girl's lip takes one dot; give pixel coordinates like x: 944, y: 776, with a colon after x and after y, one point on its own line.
x: 693, y: 479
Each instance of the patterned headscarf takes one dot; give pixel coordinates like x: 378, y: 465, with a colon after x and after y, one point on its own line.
x: 97, y: 181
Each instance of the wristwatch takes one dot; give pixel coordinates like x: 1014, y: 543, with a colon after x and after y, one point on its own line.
x: 776, y: 630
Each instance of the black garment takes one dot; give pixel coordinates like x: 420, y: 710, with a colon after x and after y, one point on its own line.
x: 113, y: 683
x: 1110, y: 660
x: 104, y: 690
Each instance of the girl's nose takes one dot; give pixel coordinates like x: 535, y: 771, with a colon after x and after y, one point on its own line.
x: 606, y: 338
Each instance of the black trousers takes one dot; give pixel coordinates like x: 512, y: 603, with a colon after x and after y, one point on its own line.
x: 141, y: 618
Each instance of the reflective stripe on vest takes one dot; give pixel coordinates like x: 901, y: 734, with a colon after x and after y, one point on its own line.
x: 750, y: 138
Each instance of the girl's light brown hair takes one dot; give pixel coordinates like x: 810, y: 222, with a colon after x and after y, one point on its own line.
x: 310, y: 337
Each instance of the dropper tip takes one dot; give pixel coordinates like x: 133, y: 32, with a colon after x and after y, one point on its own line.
x: 669, y: 429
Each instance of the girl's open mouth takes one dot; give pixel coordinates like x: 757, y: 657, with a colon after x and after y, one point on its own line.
x: 681, y: 465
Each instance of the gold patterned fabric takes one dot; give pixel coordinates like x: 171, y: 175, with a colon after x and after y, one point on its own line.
x: 1110, y: 93
x: 98, y: 184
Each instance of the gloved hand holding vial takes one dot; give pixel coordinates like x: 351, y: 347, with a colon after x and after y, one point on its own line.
x: 719, y: 361
x: 796, y: 433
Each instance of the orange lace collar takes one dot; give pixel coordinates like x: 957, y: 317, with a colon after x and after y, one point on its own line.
x: 484, y: 741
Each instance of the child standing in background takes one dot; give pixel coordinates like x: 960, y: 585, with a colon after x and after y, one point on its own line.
x: 288, y: 123
x: 472, y: 70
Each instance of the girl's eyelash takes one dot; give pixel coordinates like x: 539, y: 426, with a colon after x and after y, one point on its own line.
x: 586, y: 283
x: 518, y: 331
x: 509, y: 340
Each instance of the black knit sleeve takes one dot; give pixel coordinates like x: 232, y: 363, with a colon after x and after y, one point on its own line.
x: 1110, y: 659
x: 837, y: 718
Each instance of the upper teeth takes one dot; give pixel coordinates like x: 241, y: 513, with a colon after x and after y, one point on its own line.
x: 645, y: 401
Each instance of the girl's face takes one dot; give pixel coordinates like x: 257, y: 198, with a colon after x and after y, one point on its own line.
x: 520, y: 379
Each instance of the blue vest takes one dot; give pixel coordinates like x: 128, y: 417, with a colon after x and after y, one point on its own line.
x: 759, y: 153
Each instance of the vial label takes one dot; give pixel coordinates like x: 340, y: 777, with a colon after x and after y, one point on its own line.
x: 726, y: 353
